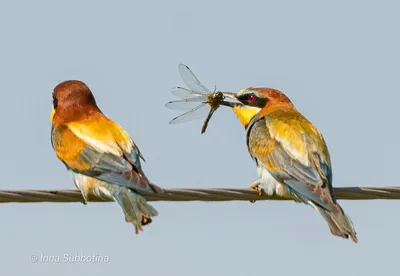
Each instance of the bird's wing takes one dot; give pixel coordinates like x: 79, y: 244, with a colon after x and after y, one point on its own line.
x: 294, y: 152
x: 102, y: 149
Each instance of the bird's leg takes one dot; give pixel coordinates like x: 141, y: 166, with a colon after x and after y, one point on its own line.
x: 82, y: 190
x: 255, y: 186
x: 85, y: 199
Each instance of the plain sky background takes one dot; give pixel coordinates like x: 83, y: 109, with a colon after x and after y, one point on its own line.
x: 338, y: 62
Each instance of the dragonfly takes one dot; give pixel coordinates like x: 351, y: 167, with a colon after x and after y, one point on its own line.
x: 198, y: 99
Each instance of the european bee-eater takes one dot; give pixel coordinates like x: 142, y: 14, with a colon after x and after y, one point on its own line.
x: 290, y: 153
x: 99, y: 153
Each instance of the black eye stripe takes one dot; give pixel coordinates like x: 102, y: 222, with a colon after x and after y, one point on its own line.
x: 245, y: 97
x: 258, y: 102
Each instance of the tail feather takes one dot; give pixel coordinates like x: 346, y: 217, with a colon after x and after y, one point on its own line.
x: 339, y: 223
x: 130, y: 179
x: 146, y: 208
x: 136, y: 209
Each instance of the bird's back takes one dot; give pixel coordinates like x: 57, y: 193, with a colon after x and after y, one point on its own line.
x: 297, y: 134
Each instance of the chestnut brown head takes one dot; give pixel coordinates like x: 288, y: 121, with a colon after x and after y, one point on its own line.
x: 72, y: 100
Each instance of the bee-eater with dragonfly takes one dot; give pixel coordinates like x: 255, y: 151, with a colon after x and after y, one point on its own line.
x: 291, y: 155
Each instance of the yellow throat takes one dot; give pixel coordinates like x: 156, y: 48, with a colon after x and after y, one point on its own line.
x: 245, y: 113
x: 52, y: 114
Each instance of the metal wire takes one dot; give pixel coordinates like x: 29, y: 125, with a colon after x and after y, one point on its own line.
x: 348, y: 193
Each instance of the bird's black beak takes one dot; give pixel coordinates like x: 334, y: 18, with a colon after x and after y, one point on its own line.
x: 230, y: 96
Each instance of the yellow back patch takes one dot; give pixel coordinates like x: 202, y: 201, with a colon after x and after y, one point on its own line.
x: 102, y: 134
x: 291, y: 137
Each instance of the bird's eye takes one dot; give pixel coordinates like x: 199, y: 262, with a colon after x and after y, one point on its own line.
x: 251, y: 98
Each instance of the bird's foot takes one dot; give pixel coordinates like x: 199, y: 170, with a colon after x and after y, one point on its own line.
x: 256, y: 186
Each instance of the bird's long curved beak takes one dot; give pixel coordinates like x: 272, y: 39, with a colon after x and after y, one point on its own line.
x: 230, y: 95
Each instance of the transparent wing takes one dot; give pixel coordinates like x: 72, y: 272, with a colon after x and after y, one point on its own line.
x: 200, y: 111
x: 191, y: 80
x: 184, y: 93
x: 186, y: 104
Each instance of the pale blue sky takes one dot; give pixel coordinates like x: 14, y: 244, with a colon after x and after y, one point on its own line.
x: 338, y: 62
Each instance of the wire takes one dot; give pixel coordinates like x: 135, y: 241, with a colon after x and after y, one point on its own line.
x: 346, y: 193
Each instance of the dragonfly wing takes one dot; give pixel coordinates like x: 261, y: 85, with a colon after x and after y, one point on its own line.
x: 186, y: 104
x: 199, y: 112
x: 191, y: 80
x: 184, y: 93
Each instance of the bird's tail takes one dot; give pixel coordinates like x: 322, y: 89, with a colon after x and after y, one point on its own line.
x: 339, y: 222
x: 131, y: 179
x: 136, y: 209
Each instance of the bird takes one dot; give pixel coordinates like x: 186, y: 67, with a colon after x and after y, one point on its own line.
x: 99, y: 154
x: 291, y: 154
